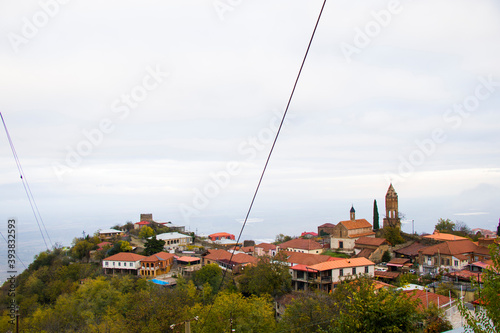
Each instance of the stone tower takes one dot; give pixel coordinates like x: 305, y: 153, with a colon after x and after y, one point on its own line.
x: 391, y: 209
x: 353, y: 214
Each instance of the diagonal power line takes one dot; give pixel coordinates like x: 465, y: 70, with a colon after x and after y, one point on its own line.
x: 27, y: 189
x: 273, y: 145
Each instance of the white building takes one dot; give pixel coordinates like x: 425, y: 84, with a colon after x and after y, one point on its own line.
x: 174, y: 240
x: 123, y: 262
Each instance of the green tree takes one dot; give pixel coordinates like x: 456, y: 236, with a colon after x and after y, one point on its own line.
x: 81, y: 249
x: 267, y: 277
x: 280, y: 238
x: 210, y: 273
x: 307, y: 312
x: 435, y: 321
x: 153, y: 246
x: 486, y: 317
x: 445, y: 225
x: 386, y: 257
x: 359, y: 308
x: 232, y: 311
x: 146, y: 232
x: 376, y: 223
x: 393, y: 235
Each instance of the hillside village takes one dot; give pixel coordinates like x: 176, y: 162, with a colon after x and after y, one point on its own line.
x: 435, y: 271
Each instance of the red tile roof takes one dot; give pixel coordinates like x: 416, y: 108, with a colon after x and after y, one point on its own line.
x: 444, y: 236
x: 188, y: 259
x: 370, y: 241
x: 426, y: 298
x: 125, y: 256
x: 387, y: 275
x: 247, y: 249
x: 455, y: 248
x: 411, y: 250
x: 365, y: 253
x: 300, y: 243
x: 356, y: 224
x: 307, y: 258
x: 217, y: 254
x: 243, y: 258
x: 143, y: 223
x: 158, y: 257
x: 343, y: 263
x: 398, y: 261
x: 266, y: 246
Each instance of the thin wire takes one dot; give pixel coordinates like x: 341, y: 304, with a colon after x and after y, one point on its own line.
x: 274, y: 143
x: 27, y: 189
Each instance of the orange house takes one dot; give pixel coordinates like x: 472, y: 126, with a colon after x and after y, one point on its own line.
x: 157, y: 264
x: 220, y: 235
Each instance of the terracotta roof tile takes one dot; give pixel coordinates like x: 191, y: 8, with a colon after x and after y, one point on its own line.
x: 343, y: 263
x: 266, y: 246
x: 411, y: 250
x: 356, y: 224
x: 300, y: 243
x: 217, y: 254
x: 370, y: 241
x: 125, y: 256
x: 444, y: 236
x: 387, y: 275
x: 158, y: 257
x: 365, y: 253
x: 307, y: 258
x: 426, y: 298
x: 455, y: 248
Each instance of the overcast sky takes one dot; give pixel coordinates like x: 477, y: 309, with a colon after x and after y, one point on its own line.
x: 128, y: 107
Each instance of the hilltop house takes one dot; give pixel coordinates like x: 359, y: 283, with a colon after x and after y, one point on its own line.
x: 228, y: 261
x: 109, y: 234
x: 265, y: 249
x: 451, y: 255
x: 301, y: 245
x: 157, y: 264
x: 324, y: 276
x: 220, y: 236
x: 123, y: 262
x: 345, y: 233
x: 175, y: 240
x: 370, y: 248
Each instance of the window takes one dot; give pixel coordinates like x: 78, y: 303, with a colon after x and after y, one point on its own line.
x: 130, y: 264
x: 354, y: 271
x: 366, y: 269
x: 119, y: 264
x: 106, y: 263
x: 341, y: 245
x: 447, y: 262
x: 456, y: 263
x: 341, y: 272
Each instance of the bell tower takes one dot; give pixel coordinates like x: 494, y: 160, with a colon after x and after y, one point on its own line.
x: 353, y: 213
x: 391, y: 209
